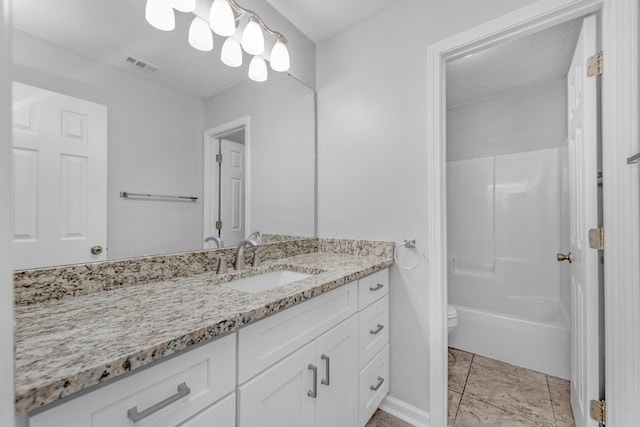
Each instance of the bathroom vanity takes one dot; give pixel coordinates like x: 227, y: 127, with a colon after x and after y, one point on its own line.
x: 190, y: 351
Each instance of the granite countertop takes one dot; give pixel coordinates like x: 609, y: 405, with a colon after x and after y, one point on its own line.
x: 64, y: 346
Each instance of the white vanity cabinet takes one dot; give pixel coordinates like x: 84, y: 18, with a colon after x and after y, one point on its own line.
x: 340, y: 338
x: 315, y: 385
x: 192, y: 389
x: 373, y: 319
x: 321, y: 363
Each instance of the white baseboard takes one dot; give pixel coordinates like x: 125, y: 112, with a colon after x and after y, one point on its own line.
x: 405, y: 412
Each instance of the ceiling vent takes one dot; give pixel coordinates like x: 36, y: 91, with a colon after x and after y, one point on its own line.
x: 141, y: 65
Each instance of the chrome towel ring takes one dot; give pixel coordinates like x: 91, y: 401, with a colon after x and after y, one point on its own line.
x: 410, y: 244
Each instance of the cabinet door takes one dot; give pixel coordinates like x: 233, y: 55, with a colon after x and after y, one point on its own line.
x: 337, y: 357
x: 279, y: 397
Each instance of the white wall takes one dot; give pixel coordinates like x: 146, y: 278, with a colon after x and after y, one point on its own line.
x: 280, y: 150
x: 524, y: 120
x: 372, y: 113
x: 154, y: 144
x: 6, y: 282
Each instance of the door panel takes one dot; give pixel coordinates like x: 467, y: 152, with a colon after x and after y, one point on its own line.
x: 278, y: 397
x: 582, y: 116
x: 337, y: 404
x: 59, y: 178
x: 232, y: 197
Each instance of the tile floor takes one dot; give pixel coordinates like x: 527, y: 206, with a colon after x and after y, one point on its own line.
x: 486, y: 392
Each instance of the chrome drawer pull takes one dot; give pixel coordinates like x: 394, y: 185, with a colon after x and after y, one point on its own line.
x: 377, y: 288
x: 326, y: 359
x: 377, y: 386
x: 378, y: 329
x: 313, y: 393
x: 135, y: 416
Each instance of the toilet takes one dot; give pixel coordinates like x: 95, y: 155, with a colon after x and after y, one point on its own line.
x: 452, y: 318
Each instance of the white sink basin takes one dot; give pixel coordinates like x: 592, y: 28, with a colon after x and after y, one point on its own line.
x: 263, y: 282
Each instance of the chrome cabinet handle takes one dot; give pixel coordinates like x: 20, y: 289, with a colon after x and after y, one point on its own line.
x: 377, y: 288
x: 135, y: 416
x: 326, y: 359
x: 313, y: 393
x: 377, y: 386
x: 378, y: 329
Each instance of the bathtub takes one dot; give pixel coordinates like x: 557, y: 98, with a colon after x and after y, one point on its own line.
x: 528, y: 332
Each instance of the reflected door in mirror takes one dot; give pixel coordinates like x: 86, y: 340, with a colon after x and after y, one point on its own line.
x: 59, y: 179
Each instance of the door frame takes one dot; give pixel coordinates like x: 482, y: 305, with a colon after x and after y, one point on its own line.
x: 6, y: 278
x: 210, y: 139
x: 621, y: 189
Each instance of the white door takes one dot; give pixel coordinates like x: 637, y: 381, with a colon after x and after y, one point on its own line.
x: 232, y: 192
x: 582, y: 116
x: 59, y: 179
x: 337, y: 359
x: 279, y: 397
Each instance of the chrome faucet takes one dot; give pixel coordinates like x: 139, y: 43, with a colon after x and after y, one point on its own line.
x: 216, y: 239
x: 240, y: 253
x: 255, y: 236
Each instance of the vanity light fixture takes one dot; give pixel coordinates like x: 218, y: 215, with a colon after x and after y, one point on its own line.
x: 258, y: 69
x: 159, y: 13
x: 224, y: 19
x: 200, y: 36
x: 252, y: 38
x: 231, y: 53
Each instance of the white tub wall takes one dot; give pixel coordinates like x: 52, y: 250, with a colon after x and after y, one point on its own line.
x: 527, y: 215
x: 470, y: 221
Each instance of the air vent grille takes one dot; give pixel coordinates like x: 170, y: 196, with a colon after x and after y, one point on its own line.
x: 141, y: 64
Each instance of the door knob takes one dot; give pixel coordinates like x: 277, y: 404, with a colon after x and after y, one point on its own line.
x: 96, y: 250
x: 563, y: 257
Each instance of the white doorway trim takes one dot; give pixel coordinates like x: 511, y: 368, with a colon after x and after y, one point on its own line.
x: 6, y: 278
x: 210, y: 145
x: 621, y: 188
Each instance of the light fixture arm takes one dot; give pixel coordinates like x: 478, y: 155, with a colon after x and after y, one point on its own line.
x: 242, y: 11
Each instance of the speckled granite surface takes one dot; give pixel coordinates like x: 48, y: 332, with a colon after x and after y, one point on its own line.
x: 33, y: 286
x: 67, y: 345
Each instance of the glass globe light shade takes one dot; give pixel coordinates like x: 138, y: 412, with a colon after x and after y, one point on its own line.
x: 252, y: 38
x: 279, y: 57
x: 231, y: 53
x: 200, y: 36
x: 159, y: 13
x: 221, y: 18
x: 258, y: 69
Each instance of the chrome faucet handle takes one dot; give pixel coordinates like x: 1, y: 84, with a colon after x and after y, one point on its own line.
x: 256, y: 258
x: 222, y: 264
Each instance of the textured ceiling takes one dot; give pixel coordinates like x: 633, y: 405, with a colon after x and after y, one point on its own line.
x: 320, y: 19
x: 529, y: 61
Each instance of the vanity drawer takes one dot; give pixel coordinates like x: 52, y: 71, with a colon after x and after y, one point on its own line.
x: 374, y: 385
x: 373, y: 287
x: 265, y: 342
x: 373, y: 330
x: 223, y: 412
x: 207, y: 371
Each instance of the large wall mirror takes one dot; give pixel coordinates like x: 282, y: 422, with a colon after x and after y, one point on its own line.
x: 161, y: 117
